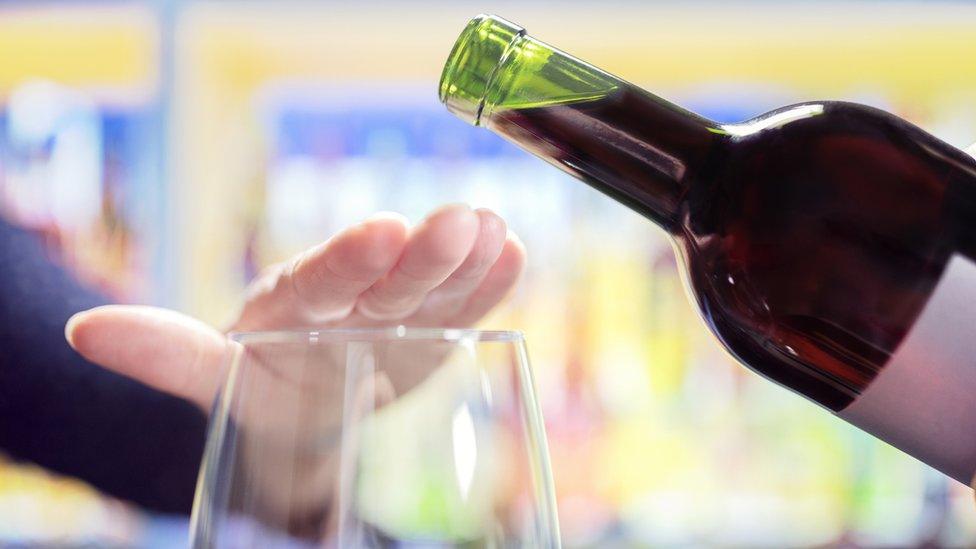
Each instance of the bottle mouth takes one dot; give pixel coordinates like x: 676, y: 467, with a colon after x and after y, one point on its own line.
x: 471, y: 66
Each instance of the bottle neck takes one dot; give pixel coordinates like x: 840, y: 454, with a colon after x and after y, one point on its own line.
x: 637, y: 148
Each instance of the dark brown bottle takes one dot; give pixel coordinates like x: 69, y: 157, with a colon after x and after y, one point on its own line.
x: 830, y: 246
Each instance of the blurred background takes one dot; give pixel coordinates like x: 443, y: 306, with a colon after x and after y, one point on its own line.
x: 167, y: 151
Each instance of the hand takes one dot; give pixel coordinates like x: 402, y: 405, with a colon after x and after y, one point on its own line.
x: 449, y: 270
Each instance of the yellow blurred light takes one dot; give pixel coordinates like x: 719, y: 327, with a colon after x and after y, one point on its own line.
x: 111, y: 51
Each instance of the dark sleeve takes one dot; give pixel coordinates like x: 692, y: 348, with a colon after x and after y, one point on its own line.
x: 72, y: 417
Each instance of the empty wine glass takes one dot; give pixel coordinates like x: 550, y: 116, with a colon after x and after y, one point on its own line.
x: 376, y: 438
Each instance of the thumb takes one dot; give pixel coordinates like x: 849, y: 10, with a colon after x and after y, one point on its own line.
x: 163, y: 349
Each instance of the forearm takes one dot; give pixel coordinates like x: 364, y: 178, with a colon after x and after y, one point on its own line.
x: 68, y: 415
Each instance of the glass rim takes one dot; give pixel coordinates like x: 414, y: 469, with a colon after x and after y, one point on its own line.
x: 391, y: 333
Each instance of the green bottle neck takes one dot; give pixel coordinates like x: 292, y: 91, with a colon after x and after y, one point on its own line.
x: 637, y: 148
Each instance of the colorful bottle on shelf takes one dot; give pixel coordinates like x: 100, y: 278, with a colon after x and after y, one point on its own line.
x: 830, y: 246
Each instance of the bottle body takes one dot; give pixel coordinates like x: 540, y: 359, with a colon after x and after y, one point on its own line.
x: 830, y: 247
x: 833, y: 253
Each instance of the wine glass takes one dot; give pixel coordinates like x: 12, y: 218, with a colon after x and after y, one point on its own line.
x: 399, y: 437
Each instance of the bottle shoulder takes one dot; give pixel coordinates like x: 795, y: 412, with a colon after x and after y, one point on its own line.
x: 830, y: 153
x: 818, y: 120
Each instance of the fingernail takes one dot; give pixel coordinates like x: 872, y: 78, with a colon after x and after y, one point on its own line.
x: 491, y: 220
x: 386, y: 215
x: 455, y: 206
x: 69, y: 327
x: 514, y: 237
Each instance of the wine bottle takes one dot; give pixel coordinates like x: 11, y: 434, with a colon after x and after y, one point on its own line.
x: 829, y: 246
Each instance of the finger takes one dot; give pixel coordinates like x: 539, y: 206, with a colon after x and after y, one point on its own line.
x: 323, y: 283
x: 446, y: 300
x: 499, y: 282
x: 434, y: 250
x: 163, y: 349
